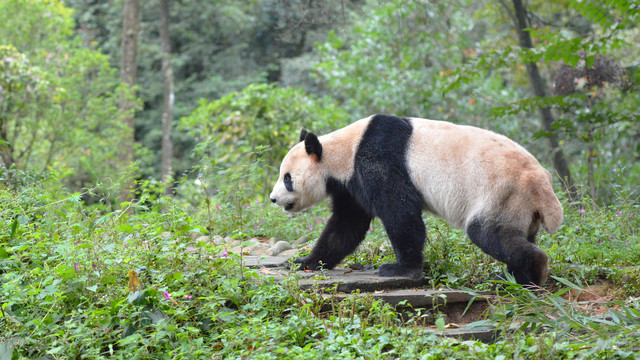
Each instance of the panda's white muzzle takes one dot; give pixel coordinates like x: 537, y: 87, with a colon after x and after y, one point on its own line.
x: 285, y: 200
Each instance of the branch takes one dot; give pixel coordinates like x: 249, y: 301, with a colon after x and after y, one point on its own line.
x: 509, y: 13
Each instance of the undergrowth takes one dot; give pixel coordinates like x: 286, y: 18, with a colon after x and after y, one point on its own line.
x: 139, y: 281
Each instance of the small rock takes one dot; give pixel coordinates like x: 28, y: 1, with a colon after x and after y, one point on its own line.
x: 279, y: 247
x: 303, y: 240
x: 235, y: 250
x: 258, y: 249
x: 218, y: 240
x: 202, y: 238
x: 289, y: 253
x: 254, y: 241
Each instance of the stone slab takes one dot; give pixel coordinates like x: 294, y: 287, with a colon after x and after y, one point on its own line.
x: 417, y: 298
x: 344, y: 280
x: 265, y: 261
x: 466, y: 332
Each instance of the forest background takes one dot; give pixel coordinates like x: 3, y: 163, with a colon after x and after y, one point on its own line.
x: 123, y: 120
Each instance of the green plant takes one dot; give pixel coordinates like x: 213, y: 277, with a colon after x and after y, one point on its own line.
x: 59, y: 100
x: 230, y: 130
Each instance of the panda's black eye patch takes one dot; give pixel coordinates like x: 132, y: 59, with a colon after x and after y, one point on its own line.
x: 288, y: 183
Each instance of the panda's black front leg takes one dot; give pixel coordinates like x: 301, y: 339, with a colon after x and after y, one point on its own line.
x: 344, y: 231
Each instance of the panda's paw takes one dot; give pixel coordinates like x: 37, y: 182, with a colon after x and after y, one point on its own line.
x: 401, y: 270
x: 306, y: 263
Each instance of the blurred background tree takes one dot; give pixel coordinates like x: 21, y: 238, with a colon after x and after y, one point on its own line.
x: 235, y: 65
x: 59, y: 99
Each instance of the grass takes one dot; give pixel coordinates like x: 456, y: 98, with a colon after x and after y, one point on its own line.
x: 80, y: 281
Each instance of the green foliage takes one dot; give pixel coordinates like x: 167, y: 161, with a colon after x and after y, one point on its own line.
x: 598, y: 236
x: 59, y: 100
x: 35, y: 27
x: 218, y: 48
x: 242, y: 139
x: 232, y: 129
x: 604, y: 331
x: 583, y: 46
x: 140, y: 282
x: 234, y: 202
x: 395, y: 59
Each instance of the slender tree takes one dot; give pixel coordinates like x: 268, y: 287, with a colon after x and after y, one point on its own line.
x: 539, y: 88
x: 128, y: 67
x: 168, y: 94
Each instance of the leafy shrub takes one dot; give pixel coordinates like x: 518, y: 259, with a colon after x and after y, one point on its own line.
x: 231, y: 130
x: 58, y: 99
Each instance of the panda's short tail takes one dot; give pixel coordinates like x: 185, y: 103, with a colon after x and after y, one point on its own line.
x: 550, y: 211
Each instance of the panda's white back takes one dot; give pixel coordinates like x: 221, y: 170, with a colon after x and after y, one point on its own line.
x: 460, y: 169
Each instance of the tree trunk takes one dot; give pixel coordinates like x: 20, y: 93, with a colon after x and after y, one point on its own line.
x: 128, y: 67
x: 539, y: 90
x: 6, y: 148
x: 168, y: 95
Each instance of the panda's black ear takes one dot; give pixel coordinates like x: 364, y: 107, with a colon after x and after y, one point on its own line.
x: 303, y: 134
x: 313, y: 146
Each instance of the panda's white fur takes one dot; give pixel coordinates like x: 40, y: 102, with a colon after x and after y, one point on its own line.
x: 339, y: 149
x: 473, y: 178
x: 462, y: 171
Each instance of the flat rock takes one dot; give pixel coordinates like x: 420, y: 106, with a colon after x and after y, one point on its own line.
x: 265, y: 261
x: 417, y: 298
x: 471, y: 332
x: 346, y: 280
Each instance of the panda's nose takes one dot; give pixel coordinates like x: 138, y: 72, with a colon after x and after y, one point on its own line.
x: 273, y: 200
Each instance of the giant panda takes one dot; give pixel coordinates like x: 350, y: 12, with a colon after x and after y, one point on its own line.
x: 394, y: 168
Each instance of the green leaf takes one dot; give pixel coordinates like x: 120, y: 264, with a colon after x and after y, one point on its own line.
x: 126, y: 228
x: 440, y: 323
x: 155, y: 315
x: 136, y: 298
x: 14, y: 228
x: 6, y: 350
x: 541, y: 133
x: 3, y: 253
x: 66, y: 272
x: 92, y: 288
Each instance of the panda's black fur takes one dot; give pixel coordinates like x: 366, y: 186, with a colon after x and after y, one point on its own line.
x: 381, y: 186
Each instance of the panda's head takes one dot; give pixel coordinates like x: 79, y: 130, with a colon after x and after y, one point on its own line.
x: 302, y: 181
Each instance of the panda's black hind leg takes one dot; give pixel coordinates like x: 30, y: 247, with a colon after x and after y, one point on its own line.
x: 525, y: 261
x: 414, y: 272
x: 407, y: 235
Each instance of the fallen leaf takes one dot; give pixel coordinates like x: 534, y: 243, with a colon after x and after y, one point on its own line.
x: 134, y: 281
